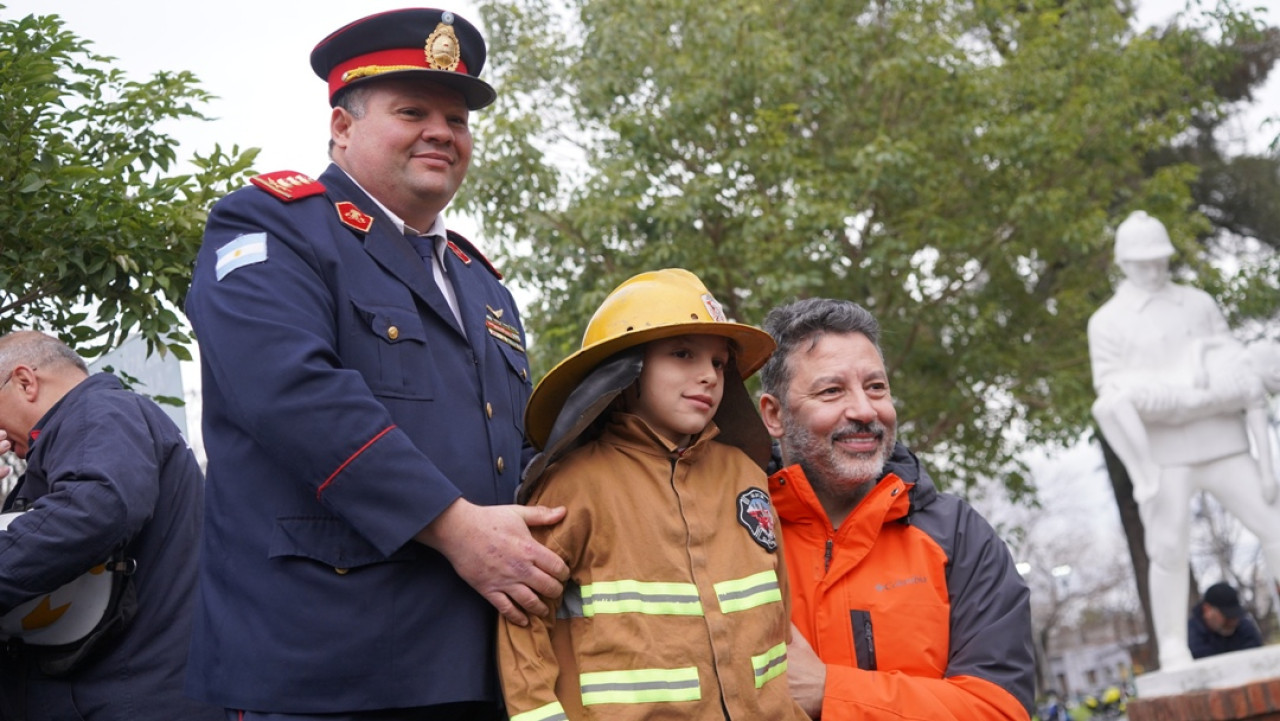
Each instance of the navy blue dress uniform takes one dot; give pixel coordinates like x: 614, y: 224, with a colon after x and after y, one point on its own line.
x: 345, y: 407
x: 106, y: 470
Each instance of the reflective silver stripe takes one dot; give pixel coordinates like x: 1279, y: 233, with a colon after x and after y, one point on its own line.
x: 743, y: 593
x: 645, y: 685
x: 768, y: 665
x: 570, y: 602
x: 660, y: 599
x: 551, y: 712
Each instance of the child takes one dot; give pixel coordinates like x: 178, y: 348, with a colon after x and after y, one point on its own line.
x: 676, y: 603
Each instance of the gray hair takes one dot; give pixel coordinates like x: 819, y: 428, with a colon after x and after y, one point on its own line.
x: 805, y: 322
x: 37, y: 350
x: 355, y: 101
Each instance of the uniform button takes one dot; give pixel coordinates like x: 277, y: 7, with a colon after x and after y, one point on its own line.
x: 488, y: 409
x: 502, y: 465
x: 524, y: 374
x: 341, y: 571
x: 393, y: 332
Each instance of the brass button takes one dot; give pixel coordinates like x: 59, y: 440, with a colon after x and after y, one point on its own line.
x: 488, y: 409
x: 393, y: 332
x: 502, y: 465
x: 524, y: 374
x: 341, y: 571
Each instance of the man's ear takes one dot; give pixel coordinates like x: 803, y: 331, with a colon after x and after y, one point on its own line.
x: 340, y: 122
x: 26, y: 382
x: 771, y: 414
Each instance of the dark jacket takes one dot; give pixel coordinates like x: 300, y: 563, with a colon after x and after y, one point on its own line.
x: 1204, y: 641
x: 344, y: 409
x: 914, y: 603
x: 108, y: 469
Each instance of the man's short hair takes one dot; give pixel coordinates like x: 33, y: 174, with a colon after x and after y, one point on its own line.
x: 356, y: 102
x: 805, y: 322
x: 35, y: 349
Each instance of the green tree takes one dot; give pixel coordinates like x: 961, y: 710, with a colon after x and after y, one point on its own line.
x: 956, y: 167
x: 97, y: 234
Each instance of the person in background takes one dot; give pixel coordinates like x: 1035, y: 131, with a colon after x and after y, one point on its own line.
x: 364, y: 377
x: 1219, y: 624
x: 677, y: 601
x: 905, y: 601
x: 108, y: 476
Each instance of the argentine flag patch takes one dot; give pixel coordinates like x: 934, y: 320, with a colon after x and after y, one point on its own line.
x: 245, y: 250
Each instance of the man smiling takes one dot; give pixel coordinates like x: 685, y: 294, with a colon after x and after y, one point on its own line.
x: 364, y: 382
x: 905, y: 602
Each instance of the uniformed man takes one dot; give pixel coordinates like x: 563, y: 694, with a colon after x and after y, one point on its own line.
x: 364, y: 379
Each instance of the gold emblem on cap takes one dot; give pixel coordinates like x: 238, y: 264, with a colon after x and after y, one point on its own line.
x: 442, y: 49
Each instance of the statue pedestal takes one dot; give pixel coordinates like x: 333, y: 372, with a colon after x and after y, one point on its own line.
x: 1228, y: 687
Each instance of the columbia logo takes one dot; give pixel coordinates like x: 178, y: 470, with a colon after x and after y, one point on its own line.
x: 909, y: 581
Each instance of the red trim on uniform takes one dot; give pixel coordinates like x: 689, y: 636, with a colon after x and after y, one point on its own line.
x: 288, y: 185
x: 353, y: 217
x: 35, y: 433
x: 458, y: 252
x: 412, y: 57
x: 365, y: 447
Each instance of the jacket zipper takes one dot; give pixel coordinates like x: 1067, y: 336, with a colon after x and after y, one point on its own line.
x: 827, y: 555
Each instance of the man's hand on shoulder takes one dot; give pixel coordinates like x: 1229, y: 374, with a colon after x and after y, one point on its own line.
x: 492, y: 550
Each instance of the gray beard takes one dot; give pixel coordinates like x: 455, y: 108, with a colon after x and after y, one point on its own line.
x: 832, y: 474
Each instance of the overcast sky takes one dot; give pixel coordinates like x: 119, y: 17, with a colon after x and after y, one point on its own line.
x: 254, y: 56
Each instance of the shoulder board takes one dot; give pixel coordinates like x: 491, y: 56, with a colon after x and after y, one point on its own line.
x: 288, y: 185
x: 463, y: 248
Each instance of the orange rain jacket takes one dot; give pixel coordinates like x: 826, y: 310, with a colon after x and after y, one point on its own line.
x: 914, y: 603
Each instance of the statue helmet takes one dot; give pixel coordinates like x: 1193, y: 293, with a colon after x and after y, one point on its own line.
x: 1142, y: 237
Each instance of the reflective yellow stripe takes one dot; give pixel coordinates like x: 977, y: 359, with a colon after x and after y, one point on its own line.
x: 660, y: 599
x: 550, y: 712
x: 768, y: 665
x: 646, y: 685
x: 749, y: 592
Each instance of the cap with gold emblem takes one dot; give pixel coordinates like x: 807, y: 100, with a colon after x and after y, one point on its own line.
x: 434, y: 44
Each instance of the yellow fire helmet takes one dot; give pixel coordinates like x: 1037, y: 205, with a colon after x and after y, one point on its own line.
x: 647, y: 307
x: 64, y: 616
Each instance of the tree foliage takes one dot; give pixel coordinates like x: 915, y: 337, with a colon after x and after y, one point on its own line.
x: 97, y: 235
x: 954, y: 166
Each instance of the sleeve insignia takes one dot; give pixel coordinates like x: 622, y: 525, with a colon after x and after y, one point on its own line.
x: 288, y: 185
x: 755, y: 513
x: 353, y: 217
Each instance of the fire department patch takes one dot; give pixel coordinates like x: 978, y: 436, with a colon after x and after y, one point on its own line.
x: 755, y: 513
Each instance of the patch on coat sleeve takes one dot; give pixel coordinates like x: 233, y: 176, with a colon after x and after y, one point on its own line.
x: 245, y: 250
x: 755, y: 513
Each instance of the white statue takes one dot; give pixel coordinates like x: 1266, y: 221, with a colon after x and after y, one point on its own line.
x: 1178, y: 401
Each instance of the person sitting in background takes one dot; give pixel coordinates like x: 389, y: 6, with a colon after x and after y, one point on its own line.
x: 1218, y: 624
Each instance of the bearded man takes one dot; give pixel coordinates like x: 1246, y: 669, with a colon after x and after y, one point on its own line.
x: 904, y: 601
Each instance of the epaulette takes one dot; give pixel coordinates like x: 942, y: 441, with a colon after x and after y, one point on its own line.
x: 288, y: 185
x: 467, y: 250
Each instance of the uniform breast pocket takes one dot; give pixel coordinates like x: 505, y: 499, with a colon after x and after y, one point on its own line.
x: 389, y: 347
x: 518, y: 380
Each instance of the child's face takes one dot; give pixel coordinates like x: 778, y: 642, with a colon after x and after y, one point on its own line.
x: 681, y: 385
